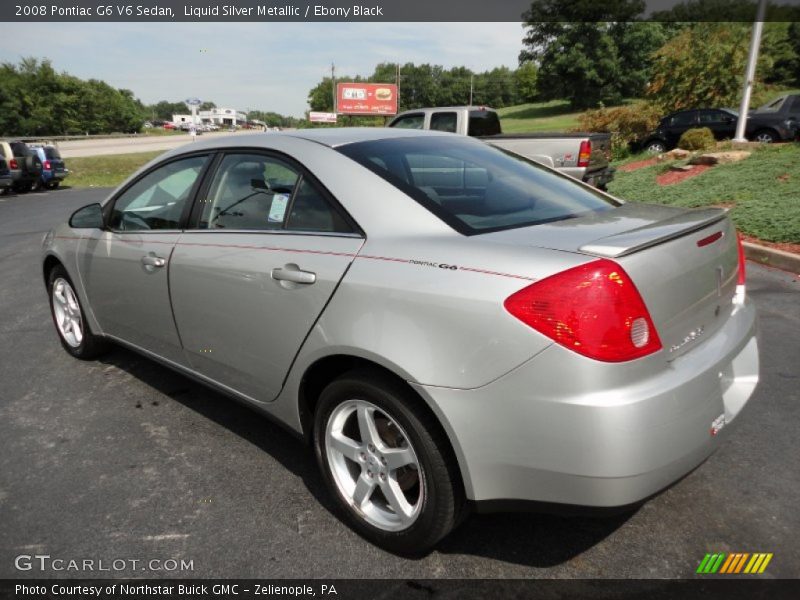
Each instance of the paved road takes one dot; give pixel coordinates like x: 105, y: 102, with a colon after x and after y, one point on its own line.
x: 105, y: 146
x: 123, y: 458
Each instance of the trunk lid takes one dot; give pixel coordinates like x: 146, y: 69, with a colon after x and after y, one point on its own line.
x: 684, y: 262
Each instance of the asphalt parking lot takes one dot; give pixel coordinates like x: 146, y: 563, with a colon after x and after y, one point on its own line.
x: 122, y: 458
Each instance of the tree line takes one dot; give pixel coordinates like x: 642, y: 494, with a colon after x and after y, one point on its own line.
x: 36, y: 100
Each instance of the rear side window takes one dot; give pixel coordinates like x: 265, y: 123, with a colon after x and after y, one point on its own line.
x: 483, y: 122
x: 19, y: 149
x: 51, y: 153
x: 474, y: 187
x: 444, y: 121
x: 257, y: 192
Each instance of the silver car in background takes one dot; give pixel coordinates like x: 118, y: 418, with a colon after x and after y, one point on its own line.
x: 451, y: 326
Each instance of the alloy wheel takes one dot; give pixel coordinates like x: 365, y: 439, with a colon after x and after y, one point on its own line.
x: 67, y: 313
x: 374, y: 466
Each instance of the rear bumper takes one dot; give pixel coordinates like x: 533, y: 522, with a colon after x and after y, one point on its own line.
x: 563, y: 429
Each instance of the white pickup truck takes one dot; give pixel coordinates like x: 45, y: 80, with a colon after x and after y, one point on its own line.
x: 584, y: 156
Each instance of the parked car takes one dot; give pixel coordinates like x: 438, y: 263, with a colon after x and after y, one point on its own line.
x: 778, y: 120
x: 25, y: 166
x: 169, y: 125
x: 515, y: 336
x: 761, y: 126
x: 5, y: 177
x: 54, y: 171
x: 584, y: 156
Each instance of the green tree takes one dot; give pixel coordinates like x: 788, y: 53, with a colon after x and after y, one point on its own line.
x: 701, y: 66
x: 525, y: 78
x: 576, y: 47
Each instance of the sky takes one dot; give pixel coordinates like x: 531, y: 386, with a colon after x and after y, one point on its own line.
x: 251, y: 66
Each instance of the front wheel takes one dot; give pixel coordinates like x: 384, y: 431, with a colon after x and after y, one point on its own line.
x: 70, y: 318
x: 386, y: 463
x: 655, y: 147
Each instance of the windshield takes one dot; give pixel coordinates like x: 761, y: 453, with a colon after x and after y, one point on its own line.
x: 473, y: 187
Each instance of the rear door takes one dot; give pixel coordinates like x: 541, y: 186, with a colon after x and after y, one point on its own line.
x: 721, y: 123
x: 125, y: 269
x: 268, y: 248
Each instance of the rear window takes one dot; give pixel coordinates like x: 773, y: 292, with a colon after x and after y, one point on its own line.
x: 51, y: 153
x: 473, y: 187
x: 483, y: 122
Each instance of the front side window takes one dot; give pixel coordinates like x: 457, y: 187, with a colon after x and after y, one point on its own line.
x: 410, y: 122
x: 156, y: 201
x: 475, y: 187
x: 684, y: 119
x: 255, y: 192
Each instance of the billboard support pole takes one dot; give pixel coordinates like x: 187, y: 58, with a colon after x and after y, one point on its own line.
x: 333, y: 85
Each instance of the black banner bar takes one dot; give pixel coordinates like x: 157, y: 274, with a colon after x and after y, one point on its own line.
x: 377, y: 10
x: 706, y: 587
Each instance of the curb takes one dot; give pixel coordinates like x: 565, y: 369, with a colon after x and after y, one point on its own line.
x: 772, y: 257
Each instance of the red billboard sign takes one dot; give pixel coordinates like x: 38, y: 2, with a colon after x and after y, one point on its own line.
x: 366, y: 98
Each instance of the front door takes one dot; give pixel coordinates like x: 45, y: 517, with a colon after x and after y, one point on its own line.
x: 125, y: 269
x: 250, y: 280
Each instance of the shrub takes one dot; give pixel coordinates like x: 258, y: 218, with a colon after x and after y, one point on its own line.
x: 696, y: 139
x: 626, y: 124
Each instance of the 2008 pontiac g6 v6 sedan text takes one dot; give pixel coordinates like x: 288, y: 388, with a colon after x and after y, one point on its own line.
x: 451, y: 326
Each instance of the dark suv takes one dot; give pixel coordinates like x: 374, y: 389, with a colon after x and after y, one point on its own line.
x: 25, y: 166
x: 53, y: 168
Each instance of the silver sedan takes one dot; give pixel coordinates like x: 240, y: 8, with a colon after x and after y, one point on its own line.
x: 450, y: 326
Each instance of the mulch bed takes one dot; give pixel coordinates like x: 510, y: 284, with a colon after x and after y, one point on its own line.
x: 672, y: 177
x: 639, y: 164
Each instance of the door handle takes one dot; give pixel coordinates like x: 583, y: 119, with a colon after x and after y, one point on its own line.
x: 293, y: 274
x: 151, y: 260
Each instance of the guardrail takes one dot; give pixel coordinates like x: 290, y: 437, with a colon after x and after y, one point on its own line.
x: 70, y: 138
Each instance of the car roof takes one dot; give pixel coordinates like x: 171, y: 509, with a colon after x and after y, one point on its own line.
x: 340, y: 136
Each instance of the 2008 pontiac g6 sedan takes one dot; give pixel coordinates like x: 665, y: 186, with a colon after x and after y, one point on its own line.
x: 449, y: 325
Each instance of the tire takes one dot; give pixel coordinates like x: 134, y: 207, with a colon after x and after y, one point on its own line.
x: 427, y: 489
x: 23, y: 187
x: 765, y: 136
x: 51, y: 185
x: 69, y: 317
x: 655, y: 147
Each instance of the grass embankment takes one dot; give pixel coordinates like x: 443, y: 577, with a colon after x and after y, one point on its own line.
x: 761, y: 191
x: 105, y: 171
x: 556, y: 115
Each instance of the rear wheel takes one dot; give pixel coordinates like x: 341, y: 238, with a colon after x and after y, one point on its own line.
x: 51, y: 185
x: 70, y: 319
x: 386, y: 463
x: 23, y: 187
x: 765, y: 136
x: 655, y: 147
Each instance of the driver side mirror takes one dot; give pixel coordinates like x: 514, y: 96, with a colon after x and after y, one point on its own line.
x: 88, y: 217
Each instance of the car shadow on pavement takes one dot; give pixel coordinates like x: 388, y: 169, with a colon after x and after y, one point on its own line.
x: 530, y: 539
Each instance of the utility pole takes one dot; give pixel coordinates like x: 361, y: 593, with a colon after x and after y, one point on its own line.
x: 397, y: 82
x: 750, y: 71
x: 333, y: 85
x: 471, y: 80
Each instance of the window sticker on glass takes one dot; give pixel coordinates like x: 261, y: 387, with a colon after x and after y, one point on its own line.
x: 278, y: 208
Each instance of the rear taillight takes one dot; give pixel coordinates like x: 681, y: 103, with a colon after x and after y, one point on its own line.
x: 47, y: 165
x: 584, y: 153
x: 742, y: 274
x: 594, y: 309
x: 13, y: 163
